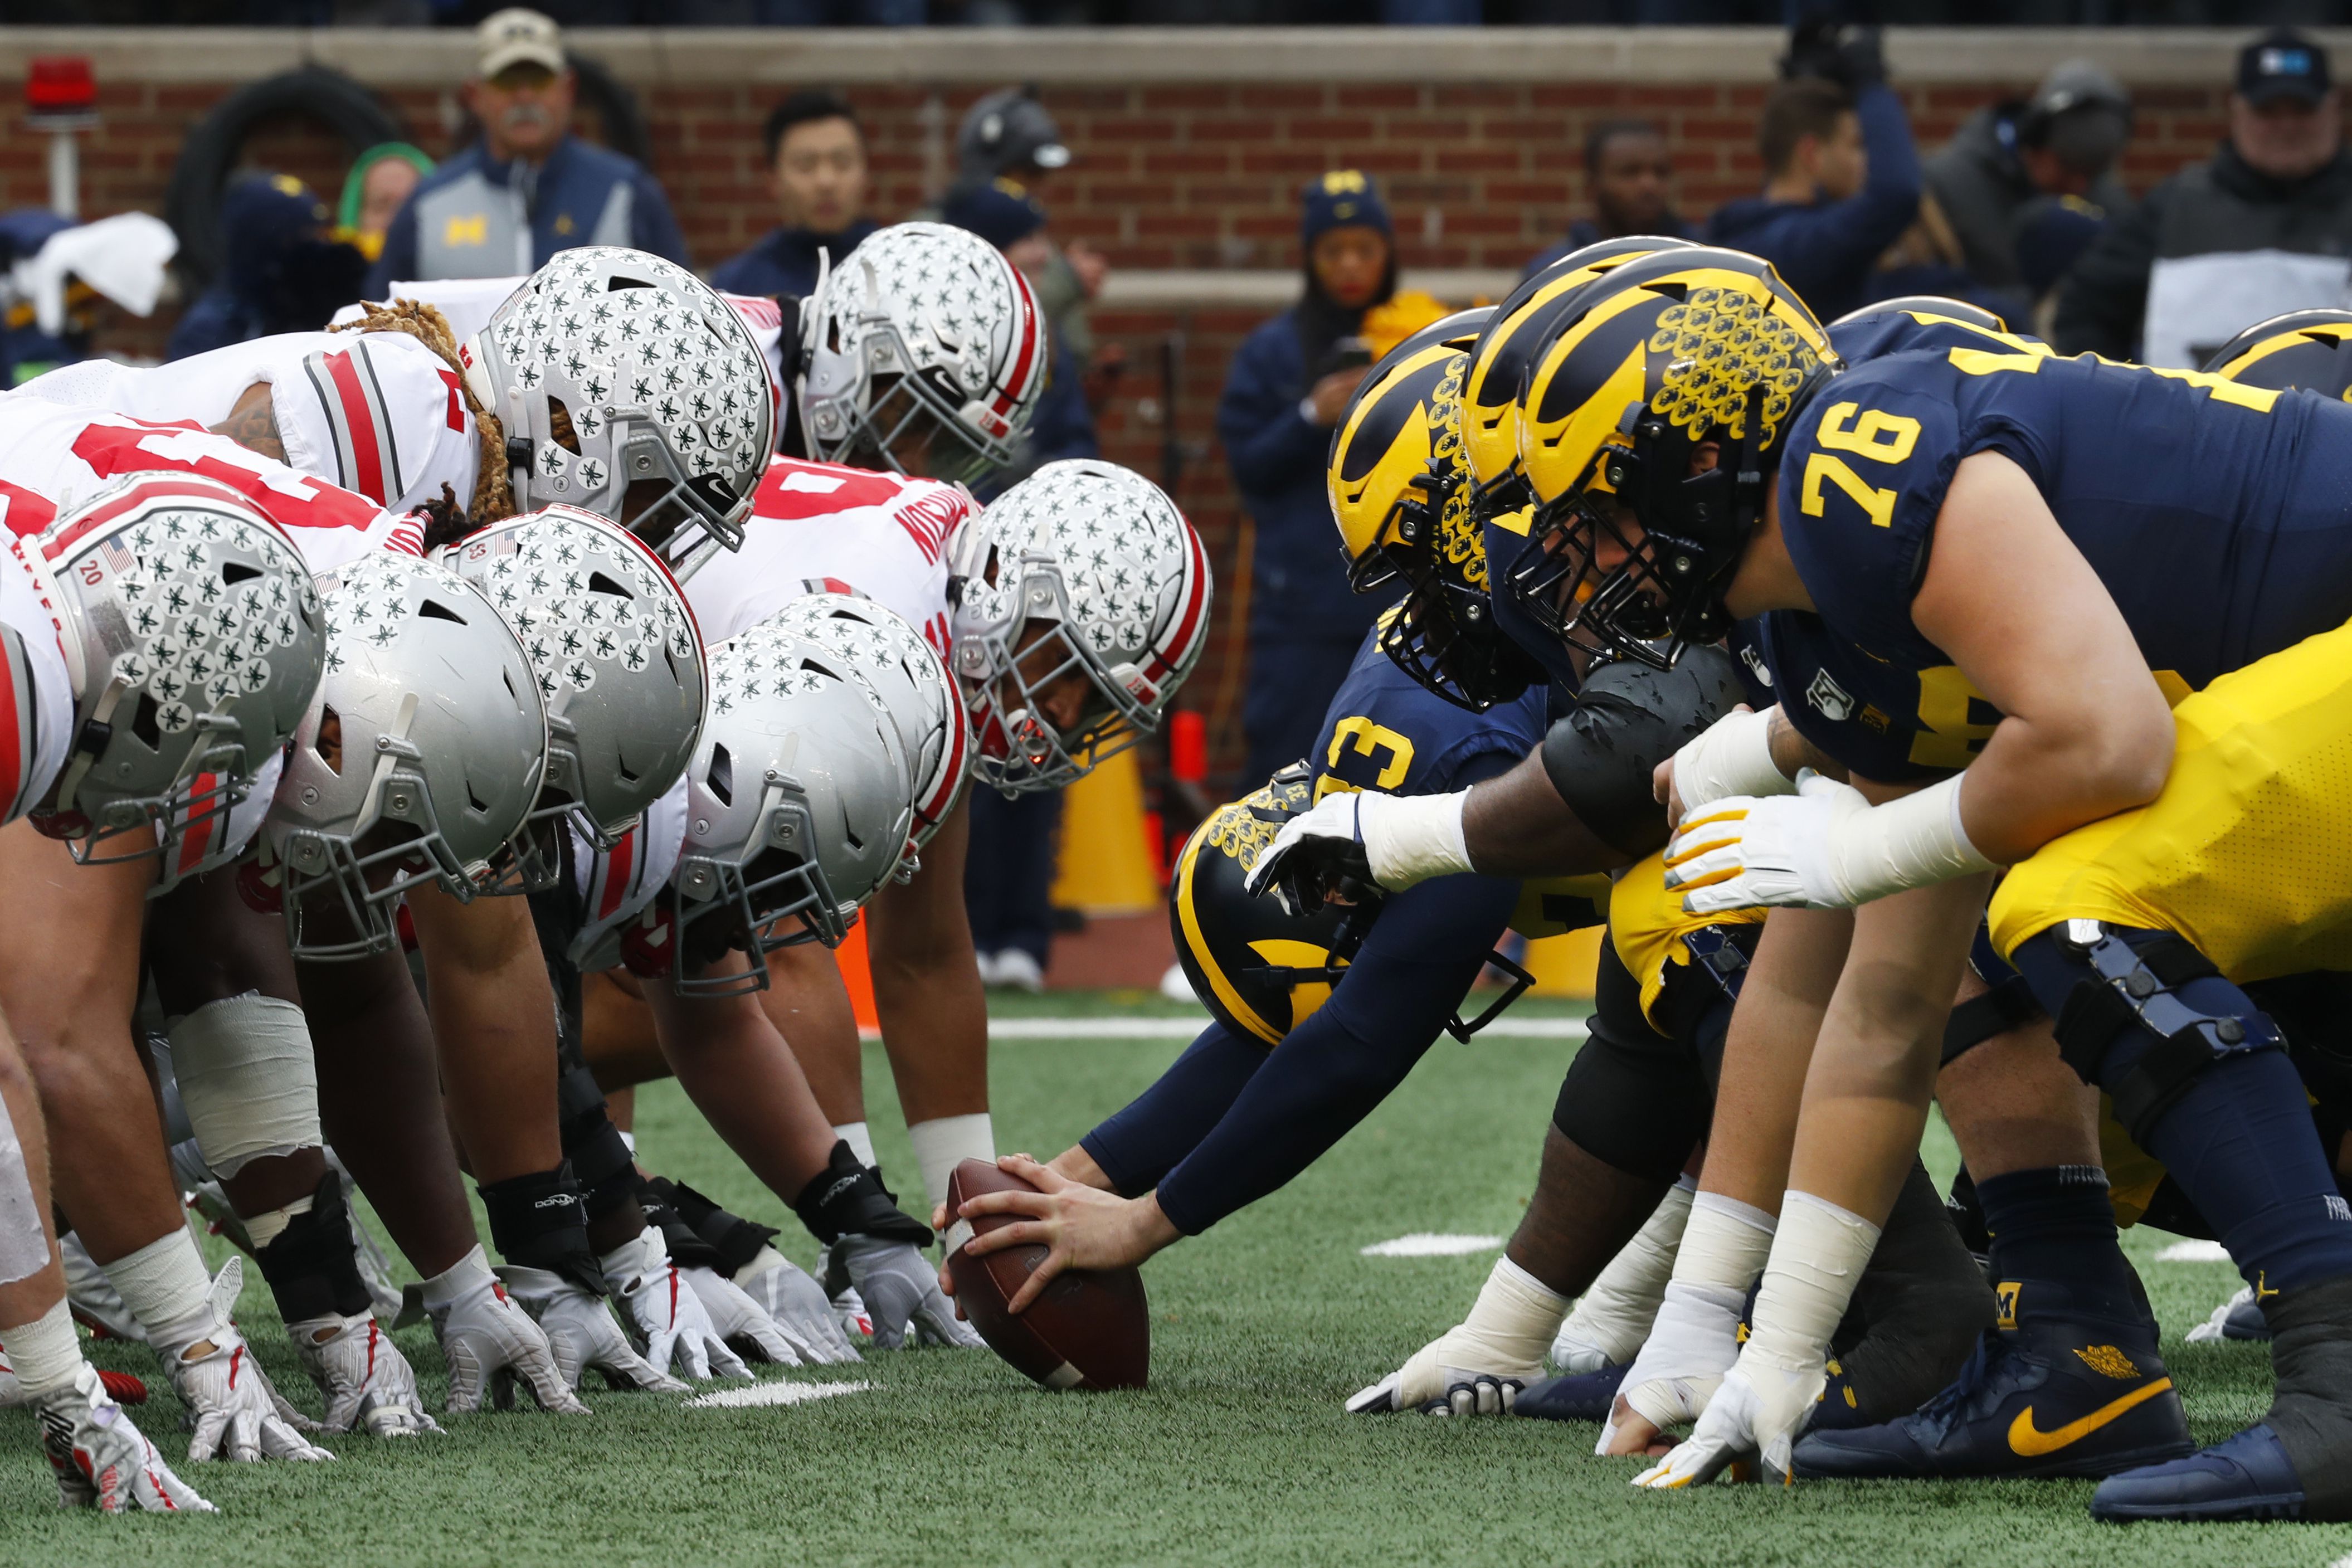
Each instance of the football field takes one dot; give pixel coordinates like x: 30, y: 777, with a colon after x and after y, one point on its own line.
x: 1239, y: 1452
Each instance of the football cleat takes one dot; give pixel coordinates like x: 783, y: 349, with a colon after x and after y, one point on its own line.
x: 2245, y: 1477
x: 1573, y: 1397
x: 2049, y: 1397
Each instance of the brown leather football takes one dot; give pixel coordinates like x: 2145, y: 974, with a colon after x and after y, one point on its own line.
x: 1089, y: 1329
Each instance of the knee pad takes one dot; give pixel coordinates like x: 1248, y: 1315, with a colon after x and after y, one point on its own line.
x: 2115, y: 983
x: 247, y: 1079
x: 1638, y: 1109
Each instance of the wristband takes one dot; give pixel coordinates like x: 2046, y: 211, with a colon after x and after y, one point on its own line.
x: 1412, y: 838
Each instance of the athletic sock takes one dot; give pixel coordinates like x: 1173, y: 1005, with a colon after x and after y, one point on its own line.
x: 946, y: 1142
x: 2054, y: 1231
x: 860, y: 1138
x: 44, y: 1353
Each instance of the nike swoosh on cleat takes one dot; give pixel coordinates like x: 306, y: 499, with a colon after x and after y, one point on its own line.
x: 2030, y: 1441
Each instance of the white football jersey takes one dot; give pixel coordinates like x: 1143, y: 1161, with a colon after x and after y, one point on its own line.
x: 36, y: 710
x: 376, y: 413
x: 618, y: 884
x: 52, y: 456
x: 818, y: 528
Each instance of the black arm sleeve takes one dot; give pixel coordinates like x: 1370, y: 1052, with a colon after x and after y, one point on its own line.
x: 1143, y: 1142
x: 1329, y: 1073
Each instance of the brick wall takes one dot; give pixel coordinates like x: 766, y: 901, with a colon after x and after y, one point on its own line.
x: 1195, y: 173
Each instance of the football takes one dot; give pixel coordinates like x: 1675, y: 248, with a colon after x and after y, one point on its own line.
x: 1089, y: 1329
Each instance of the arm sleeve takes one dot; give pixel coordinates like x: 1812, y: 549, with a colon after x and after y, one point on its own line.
x: 1329, y: 1072
x: 398, y: 257
x: 1831, y: 240
x: 1267, y: 442
x: 655, y: 225
x: 1142, y: 1143
x: 2105, y: 299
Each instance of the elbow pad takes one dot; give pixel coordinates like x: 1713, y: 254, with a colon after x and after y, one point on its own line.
x: 1628, y: 719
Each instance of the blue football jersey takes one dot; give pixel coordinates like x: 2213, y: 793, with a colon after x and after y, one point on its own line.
x: 1384, y: 730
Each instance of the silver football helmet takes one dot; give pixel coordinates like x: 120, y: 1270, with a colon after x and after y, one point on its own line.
x: 610, y: 367
x: 798, y: 803
x: 1082, y: 570
x: 924, y: 331
x: 192, y: 643
x: 620, y: 669
x: 909, y: 682
x: 416, y: 762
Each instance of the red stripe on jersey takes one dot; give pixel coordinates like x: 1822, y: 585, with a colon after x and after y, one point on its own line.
x: 456, y: 414
x: 286, y: 498
x: 791, y: 490
x: 616, y: 874
x: 367, y: 452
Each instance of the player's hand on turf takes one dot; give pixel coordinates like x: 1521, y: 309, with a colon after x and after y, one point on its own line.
x: 239, y: 1415
x: 100, y: 1459
x: 1318, y: 854
x: 580, y: 1333
x: 1762, y: 1404
x: 1434, y: 1381
x: 798, y: 1306
x: 367, y: 1383
x: 491, y: 1343
x: 666, y: 1314
x: 902, y: 1295
x: 1692, y: 1344
x: 741, y: 1324
x: 1080, y: 1227
x: 1745, y: 851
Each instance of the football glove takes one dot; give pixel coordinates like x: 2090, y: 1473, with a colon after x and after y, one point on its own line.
x: 361, y: 1374
x: 1761, y: 1406
x: 1693, y: 1343
x: 581, y: 1333
x: 1358, y: 843
x: 740, y: 1322
x: 664, y: 1312
x: 101, y: 1460
x: 1478, y: 1366
x: 901, y: 1294
x: 797, y: 1306
x: 120, y: 1387
x: 1825, y: 847
x: 490, y: 1344
x: 239, y: 1415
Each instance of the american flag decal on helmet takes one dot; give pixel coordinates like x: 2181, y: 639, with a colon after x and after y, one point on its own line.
x: 367, y: 458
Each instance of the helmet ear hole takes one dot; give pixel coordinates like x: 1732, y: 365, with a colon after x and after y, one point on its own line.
x: 720, y: 778
x: 236, y: 572
x: 434, y: 609
x: 329, y: 747
x: 144, y: 724
x: 559, y: 426
x: 600, y: 584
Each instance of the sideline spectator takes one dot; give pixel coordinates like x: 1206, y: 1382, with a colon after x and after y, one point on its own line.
x: 279, y: 272
x: 1289, y: 383
x: 1632, y: 173
x: 2019, y: 180
x: 1008, y: 881
x: 2264, y: 226
x: 1008, y: 135
x: 528, y: 188
x: 1842, y: 177
x: 381, y: 181
x: 816, y: 167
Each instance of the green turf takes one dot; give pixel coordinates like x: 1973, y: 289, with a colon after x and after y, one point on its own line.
x: 1238, y: 1453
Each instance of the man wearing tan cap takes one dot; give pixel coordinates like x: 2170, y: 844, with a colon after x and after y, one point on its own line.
x: 528, y: 188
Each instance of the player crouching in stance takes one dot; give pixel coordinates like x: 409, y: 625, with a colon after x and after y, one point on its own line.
x: 138, y: 757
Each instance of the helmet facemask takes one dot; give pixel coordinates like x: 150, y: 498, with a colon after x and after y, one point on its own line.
x: 909, y: 428
x: 1022, y: 749
x: 1443, y: 635
x: 777, y: 896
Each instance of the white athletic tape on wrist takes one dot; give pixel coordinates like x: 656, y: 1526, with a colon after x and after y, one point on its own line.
x: 467, y: 1274
x: 23, y: 1228
x: 1614, y: 1316
x: 1817, y: 1260
x: 1725, y: 1243
x: 44, y: 1353
x: 860, y: 1138
x: 641, y: 1255
x: 1412, y: 838
x: 1693, y: 1341
x: 1505, y: 1334
x: 1731, y: 756
x: 1914, y: 842
x: 247, y: 1079
x: 262, y: 1229
x: 946, y: 1142
x: 164, y: 1285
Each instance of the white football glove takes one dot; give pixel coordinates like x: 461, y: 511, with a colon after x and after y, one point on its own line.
x: 740, y: 1322
x: 1390, y: 841
x: 1693, y: 1343
x: 666, y: 1315
x: 361, y: 1374
x: 902, y: 1296
x: 239, y: 1415
x: 490, y: 1344
x: 100, y: 1459
x: 796, y: 1304
x: 1761, y: 1406
x: 581, y: 1333
x: 1429, y: 1383
x: 1478, y: 1366
x: 1745, y: 851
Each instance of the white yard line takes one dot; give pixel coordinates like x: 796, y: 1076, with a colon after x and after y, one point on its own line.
x: 1431, y: 1243
x: 1132, y: 1028
x: 2194, y: 1252
x: 778, y: 1392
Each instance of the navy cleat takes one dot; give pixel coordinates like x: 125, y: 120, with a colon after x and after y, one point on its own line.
x: 1575, y: 1396
x: 1839, y: 1407
x: 2049, y: 1397
x: 2247, y: 1477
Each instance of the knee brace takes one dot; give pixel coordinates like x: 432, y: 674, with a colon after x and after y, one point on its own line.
x: 2134, y: 979
x: 732, y: 1240
x: 2008, y: 1005
x: 541, y: 1221
x: 247, y: 1079
x: 593, y: 1147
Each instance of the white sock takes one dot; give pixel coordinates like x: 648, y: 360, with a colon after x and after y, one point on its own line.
x: 860, y: 1138
x: 44, y: 1353
x: 455, y: 1280
x: 946, y: 1142
x: 166, y: 1287
x: 265, y: 1228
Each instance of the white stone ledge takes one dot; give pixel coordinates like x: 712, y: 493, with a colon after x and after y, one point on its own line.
x: 1274, y: 288
x: 778, y: 57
